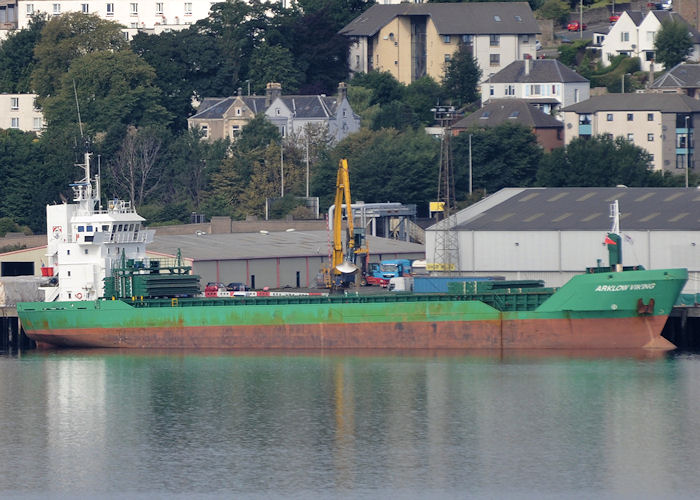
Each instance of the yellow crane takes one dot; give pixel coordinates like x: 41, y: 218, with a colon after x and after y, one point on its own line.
x: 344, y: 260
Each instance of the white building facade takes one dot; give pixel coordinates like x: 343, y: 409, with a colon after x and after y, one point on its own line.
x: 17, y: 111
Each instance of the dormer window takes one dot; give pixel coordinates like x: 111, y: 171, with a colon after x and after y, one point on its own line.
x: 519, y: 19
x: 497, y: 19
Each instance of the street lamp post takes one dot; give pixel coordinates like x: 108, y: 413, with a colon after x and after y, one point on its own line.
x: 687, y: 149
x: 470, y: 164
x: 282, y: 168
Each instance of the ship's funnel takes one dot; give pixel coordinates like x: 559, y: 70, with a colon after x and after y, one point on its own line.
x: 346, y: 267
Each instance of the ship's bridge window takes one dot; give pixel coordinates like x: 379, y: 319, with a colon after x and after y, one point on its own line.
x: 89, y: 229
x: 131, y: 227
x: 105, y: 227
x: 119, y: 228
x: 81, y: 229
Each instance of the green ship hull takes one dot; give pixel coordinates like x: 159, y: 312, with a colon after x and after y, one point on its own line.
x: 592, y: 311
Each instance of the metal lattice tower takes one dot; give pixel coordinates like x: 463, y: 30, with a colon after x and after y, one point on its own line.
x: 446, y: 252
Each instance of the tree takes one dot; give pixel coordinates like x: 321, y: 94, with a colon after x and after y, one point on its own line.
x: 503, y: 156
x: 556, y: 10
x: 422, y: 95
x: 135, y: 167
x: 65, y: 38
x: 386, y: 165
x: 17, y: 57
x: 673, y: 43
x: 462, y: 76
x: 597, y: 161
x: 385, y: 88
x: 114, y: 89
x: 273, y: 63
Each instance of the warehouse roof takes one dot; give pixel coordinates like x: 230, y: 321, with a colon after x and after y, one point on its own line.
x: 584, y: 209
x: 267, y: 245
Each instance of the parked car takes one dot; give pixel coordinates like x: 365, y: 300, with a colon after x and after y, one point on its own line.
x: 614, y: 18
x: 214, y: 286
x: 538, y: 45
x: 575, y: 26
x: 237, y: 287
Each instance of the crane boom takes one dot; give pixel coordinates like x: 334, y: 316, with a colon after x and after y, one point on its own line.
x: 342, y: 188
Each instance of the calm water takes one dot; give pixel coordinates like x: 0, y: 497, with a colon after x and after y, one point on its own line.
x: 318, y: 425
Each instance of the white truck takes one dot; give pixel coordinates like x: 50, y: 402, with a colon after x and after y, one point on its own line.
x: 401, y: 284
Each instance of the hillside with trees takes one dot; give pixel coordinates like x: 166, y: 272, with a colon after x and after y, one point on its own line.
x: 134, y: 99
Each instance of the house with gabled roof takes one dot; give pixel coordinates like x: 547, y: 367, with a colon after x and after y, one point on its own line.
x: 634, y: 34
x: 683, y: 78
x: 545, y: 83
x: 548, y: 130
x: 225, y: 117
x: 414, y: 40
x: 294, y: 114
x: 662, y: 124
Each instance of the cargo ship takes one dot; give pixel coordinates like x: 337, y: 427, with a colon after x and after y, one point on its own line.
x: 105, y: 292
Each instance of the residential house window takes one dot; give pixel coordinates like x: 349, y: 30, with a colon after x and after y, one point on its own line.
x: 494, y: 40
x: 497, y: 19
x: 554, y: 89
x: 238, y: 111
x: 205, y: 130
x: 650, y: 36
x: 110, y: 9
x: 30, y: 9
x: 159, y: 7
x: 134, y: 25
x: 283, y: 131
x: 277, y: 111
x: 535, y: 89
x: 525, y: 38
x: 650, y: 117
x: 649, y: 55
x: 85, y: 8
x: 235, y: 130
x: 577, y: 95
x: 134, y: 9
x: 446, y: 38
x: 630, y: 117
x: 650, y: 137
x: 188, y: 8
x: 680, y: 161
x: 125, y: 34
x: 491, y: 90
x: 447, y: 57
x: 630, y: 137
x: 495, y: 59
x: 14, y: 102
x: 38, y: 123
x: 609, y: 117
x: 56, y: 9
x: 625, y: 36
x: 14, y: 123
x: 510, y: 89
x: 468, y: 39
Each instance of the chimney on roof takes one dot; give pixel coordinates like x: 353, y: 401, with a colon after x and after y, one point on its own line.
x: 342, y: 91
x: 272, y: 92
x: 528, y: 61
x: 240, y: 91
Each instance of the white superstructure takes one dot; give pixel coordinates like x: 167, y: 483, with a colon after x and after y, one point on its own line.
x: 86, y: 240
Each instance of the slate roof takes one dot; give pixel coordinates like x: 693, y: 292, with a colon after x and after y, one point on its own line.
x: 500, y: 111
x: 473, y: 18
x: 541, y: 71
x: 310, y: 106
x: 682, y: 75
x: 588, y: 209
x: 666, y: 103
x: 265, y: 246
x: 213, y: 109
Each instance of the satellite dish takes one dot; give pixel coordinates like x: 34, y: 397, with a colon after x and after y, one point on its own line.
x: 346, y: 267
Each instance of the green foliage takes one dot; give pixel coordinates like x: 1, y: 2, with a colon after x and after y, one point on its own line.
x: 258, y: 133
x: 611, y: 76
x: 115, y: 90
x: 397, y: 115
x: 273, y: 63
x: 17, y: 57
x: 7, y: 225
x: 673, y: 43
x: 556, y: 10
x: 385, y: 88
x: 503, y: 156
x: 386, y: 165
x: 421, y: 96
x: 462, y: 76
x: 65, y: 38
x: 598, y: 161
x: 571, y: 54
